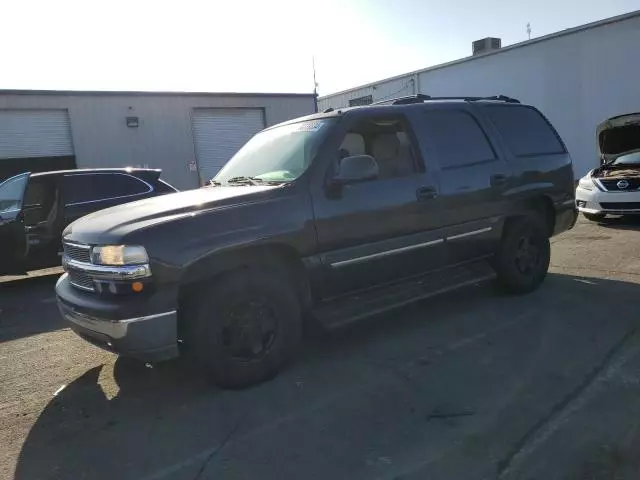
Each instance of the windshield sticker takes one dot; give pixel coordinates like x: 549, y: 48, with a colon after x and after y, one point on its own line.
x: 309, y: 126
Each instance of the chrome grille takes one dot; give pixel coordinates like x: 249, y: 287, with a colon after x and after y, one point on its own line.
x: 78, y: 252
x: 81, y: 280
x: 612, y: 184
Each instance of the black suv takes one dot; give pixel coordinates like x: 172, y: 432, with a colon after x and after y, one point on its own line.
x: 327, y: 218
x: 35, y: 208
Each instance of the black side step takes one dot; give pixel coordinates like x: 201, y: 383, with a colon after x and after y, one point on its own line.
x: 344, y: 310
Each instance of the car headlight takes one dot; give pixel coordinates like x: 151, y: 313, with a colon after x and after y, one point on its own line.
x: 119, y: 255
x: 586, y: 183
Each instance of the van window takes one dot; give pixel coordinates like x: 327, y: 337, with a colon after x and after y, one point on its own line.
x: 525, y: 131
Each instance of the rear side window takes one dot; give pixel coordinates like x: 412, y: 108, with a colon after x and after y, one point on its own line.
x: 101, y: 186
x: 457, y: 138
x: 163, y: 187
x: 525, y: 131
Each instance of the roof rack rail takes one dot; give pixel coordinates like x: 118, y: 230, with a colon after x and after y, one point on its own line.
x: 420, y: 98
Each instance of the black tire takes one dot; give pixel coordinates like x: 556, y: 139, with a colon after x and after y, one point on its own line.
x: 594, y: 217
x: 218, y: 338
x: 523, y: 259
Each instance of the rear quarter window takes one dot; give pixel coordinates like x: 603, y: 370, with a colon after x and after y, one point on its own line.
x: 163, y: 187
x: 525, y: 131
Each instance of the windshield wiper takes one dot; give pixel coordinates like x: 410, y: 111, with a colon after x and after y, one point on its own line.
x: 245, y: 181
x: 213, y: 183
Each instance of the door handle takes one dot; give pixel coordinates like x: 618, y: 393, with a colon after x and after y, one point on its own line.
x: 498, y: 179
x: 426, y: 193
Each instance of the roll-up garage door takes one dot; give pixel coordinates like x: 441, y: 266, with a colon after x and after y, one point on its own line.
x: 34, y: 140
x: 219, y: 133
x: 35, y: 133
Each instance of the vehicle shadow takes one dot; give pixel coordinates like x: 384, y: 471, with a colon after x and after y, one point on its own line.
x: 628, y: 222
x: 28, y: 307
x: 159, y: 423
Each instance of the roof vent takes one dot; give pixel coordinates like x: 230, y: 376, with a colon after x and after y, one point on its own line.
x: 486, y: 45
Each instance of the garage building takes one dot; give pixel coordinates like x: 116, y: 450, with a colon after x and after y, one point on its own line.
x: 190, y: 136
x: 578, y: 78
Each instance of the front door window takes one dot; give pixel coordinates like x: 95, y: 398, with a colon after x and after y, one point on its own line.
x: 12, y: 193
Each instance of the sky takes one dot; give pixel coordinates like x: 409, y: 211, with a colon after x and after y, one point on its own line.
x: 258, y: 46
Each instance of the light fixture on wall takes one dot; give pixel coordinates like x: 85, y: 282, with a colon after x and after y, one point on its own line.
x: 133, y: 122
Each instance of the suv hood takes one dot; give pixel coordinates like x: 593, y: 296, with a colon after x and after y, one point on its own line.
x: 618, y: 135
x: 109, y: 225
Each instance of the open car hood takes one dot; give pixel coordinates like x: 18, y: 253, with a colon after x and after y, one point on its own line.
x: 618, y: 135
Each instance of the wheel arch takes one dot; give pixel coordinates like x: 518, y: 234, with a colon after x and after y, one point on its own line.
x: 277, y: 256
x: 540, y: 206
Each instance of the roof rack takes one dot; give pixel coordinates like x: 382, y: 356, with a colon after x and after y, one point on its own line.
x: 420, y: 98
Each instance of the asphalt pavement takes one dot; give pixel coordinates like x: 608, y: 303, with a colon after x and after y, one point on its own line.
x: 471, y: 385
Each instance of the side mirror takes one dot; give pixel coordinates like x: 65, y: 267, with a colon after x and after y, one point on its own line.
x: 356, y: 168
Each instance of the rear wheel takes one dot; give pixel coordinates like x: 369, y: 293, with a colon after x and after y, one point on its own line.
x: 523, y: 260
x: 594, y: 217
x: 243, y: 329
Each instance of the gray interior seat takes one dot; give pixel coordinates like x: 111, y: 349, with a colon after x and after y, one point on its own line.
x: 353, y: 144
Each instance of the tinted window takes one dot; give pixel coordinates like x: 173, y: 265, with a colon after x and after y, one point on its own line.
x: 101, y: 186
x: 457, y: 138
x: 163, y: 187
x: 525, y: 131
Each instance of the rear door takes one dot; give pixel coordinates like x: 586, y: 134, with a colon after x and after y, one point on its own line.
x: 85, y: 193
x: 12, y: 232
x: 539, y: 158
x: 473, y: 178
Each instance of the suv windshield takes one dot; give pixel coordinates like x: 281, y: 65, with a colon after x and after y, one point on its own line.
x: 277, y: 155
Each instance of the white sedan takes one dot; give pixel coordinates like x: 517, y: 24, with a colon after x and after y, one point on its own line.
x: 613, y: 188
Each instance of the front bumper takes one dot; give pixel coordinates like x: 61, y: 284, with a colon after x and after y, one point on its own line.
x: 145, y: 329
x: 616, y: 203
x: 566, y: 216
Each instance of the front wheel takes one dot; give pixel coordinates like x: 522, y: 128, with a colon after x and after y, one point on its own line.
x: 244, y: 328
x: 594, y: 217
x: 523, y: 259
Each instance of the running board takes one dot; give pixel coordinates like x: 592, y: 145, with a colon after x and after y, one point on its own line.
x: 351, y: 308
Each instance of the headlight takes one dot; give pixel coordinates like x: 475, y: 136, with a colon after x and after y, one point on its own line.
x: 586, y: 183
x: 119, y: 255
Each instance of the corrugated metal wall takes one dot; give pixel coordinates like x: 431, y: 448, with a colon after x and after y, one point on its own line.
x: 382, y: 91
x: 164, y: 137
x: 577, y: 80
